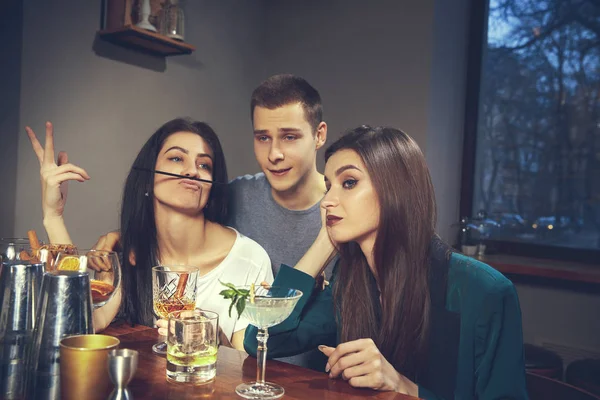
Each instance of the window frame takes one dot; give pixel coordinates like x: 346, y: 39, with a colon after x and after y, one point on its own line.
x: 477, y: 34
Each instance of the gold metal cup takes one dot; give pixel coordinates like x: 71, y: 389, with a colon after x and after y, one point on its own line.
x: 84, y: 366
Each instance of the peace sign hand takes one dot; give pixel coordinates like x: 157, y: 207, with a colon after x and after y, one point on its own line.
x: 54, y: 175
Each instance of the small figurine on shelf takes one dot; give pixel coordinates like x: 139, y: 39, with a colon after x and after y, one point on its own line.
x: 465, y: 239
x: 484, y: 231
x: 144, y: 16
x: 172, y: 23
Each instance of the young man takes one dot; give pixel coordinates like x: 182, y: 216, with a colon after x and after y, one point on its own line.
x: 279, y: 207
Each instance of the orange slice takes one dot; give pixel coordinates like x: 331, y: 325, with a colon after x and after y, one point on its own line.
x: 69, y: 263
x: 102, y: 288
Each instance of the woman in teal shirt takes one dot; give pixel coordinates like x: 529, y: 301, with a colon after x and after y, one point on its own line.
x: 403, y: 312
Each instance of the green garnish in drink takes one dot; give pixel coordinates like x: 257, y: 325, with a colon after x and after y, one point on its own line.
x: 238, y: 297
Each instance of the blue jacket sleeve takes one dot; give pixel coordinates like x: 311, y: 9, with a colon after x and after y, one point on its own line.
x: 311, y: 323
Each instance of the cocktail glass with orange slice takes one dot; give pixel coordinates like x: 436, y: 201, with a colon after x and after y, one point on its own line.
x: 48, y: 254
x: 103, y: 267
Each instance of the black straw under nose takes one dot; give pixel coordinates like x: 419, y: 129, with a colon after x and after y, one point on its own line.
x: 176, y: 175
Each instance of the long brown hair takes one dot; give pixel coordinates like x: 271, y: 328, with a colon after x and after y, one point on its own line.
x: 400, y: 177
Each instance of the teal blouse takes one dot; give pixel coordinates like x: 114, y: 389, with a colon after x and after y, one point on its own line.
x: 488, y: 360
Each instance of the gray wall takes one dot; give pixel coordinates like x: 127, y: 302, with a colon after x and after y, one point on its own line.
x: 11, y: 19
x: 370, y: 60
x: 105, y: 101
x: 567, y: 316
x: 397, y: 63
x: 447, y: 88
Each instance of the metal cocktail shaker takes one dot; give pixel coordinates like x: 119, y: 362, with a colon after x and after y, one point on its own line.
x: 19, y: 295
x: 65, y: 308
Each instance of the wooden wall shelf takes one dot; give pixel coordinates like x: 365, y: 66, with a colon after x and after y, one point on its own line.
x: 150, y: 42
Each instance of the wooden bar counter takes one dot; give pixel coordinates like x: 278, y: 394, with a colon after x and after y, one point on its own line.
x: 233, y: 368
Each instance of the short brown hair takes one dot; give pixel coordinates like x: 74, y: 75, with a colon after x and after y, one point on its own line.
x: 281, y: 90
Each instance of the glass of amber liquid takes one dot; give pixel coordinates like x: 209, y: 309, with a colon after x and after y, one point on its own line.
x: 173, y: 289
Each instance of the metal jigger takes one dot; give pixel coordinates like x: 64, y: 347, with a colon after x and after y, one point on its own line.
x: 122, y: 364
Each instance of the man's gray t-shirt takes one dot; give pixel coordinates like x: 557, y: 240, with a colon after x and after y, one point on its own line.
x: 285, y: 234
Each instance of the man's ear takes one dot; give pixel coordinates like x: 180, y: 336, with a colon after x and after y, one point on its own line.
x: 321, y: 135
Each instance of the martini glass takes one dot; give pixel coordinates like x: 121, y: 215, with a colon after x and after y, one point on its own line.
x: 271, y: 306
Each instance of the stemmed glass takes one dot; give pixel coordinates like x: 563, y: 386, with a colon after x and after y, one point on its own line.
x: 173, y: 289
x: 271, y: 306
x: 103, y: 267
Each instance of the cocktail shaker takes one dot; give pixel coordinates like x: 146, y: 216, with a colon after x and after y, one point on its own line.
x: 19, y: 295
x: 65, y: 308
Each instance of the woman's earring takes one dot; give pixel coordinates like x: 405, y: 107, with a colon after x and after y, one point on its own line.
x: 146, y: 194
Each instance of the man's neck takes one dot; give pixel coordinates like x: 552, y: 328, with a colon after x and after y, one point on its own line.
x: 304, y: 195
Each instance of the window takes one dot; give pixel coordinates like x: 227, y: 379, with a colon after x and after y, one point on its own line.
x: 532, y: 140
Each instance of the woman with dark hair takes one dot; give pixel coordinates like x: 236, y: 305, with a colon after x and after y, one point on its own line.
x: 404, y: 312
x: 166, y: 220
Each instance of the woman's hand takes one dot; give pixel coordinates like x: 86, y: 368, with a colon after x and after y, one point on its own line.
x: 109, y: 242
x: 320, y: 253
x: 163, y: 326
x: 361, y: 363
x: 54, y: 175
